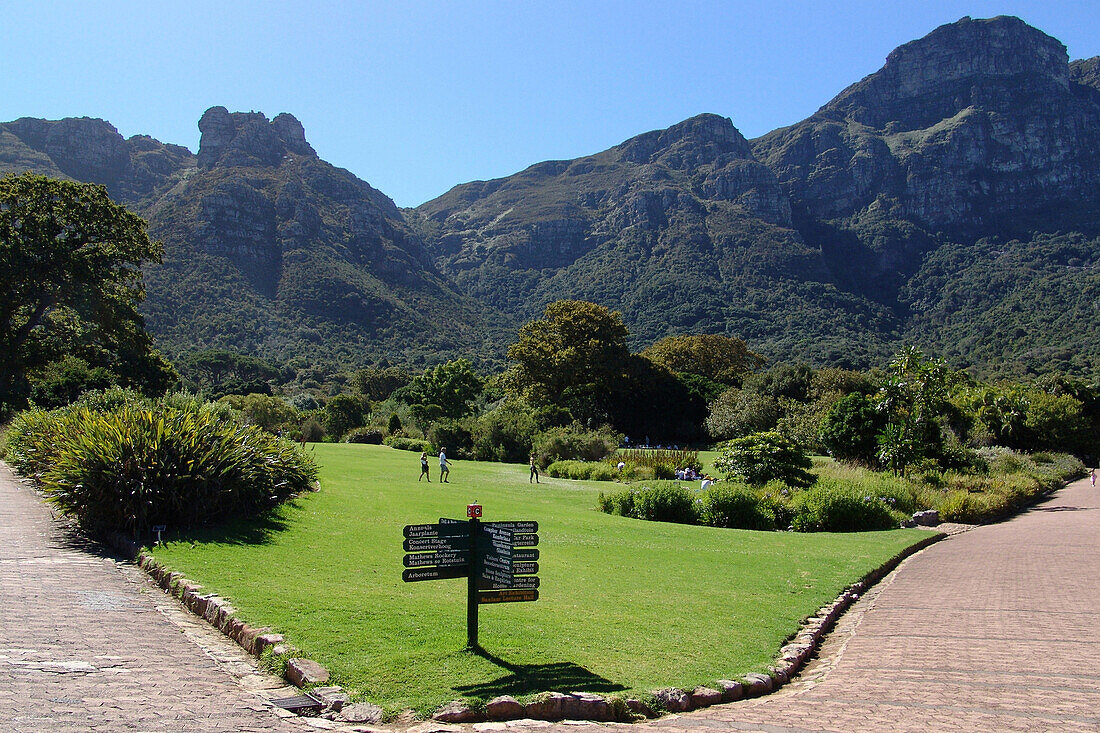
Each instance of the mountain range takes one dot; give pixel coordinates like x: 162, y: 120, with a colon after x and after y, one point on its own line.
x: 949, y: 199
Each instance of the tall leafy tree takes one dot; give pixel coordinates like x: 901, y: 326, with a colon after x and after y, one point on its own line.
x: 574, y: 356
x: 913, y: 396
x: 70, y: 283
x: 450, y: 387
x: 724, y: 359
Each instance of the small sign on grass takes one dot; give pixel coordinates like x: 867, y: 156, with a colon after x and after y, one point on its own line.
x: 487, y: 554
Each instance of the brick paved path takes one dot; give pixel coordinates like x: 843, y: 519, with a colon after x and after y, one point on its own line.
x: 88, y: 644
x: 991, y: 630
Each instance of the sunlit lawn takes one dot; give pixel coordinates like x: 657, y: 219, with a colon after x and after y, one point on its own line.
x: 624, y: 605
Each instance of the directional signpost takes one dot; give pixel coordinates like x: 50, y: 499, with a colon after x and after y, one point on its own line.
x: 498, y: 560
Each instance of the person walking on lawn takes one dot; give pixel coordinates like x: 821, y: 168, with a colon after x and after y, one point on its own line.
x: 444, y: 467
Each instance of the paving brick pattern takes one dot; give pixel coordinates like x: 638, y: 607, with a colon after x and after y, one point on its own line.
x: 994, y: 629
x: 88, y: 644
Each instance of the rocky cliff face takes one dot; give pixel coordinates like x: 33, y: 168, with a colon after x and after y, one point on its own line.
x: 978, y: 128
x: 310, y: 239
x: 556, y: 212
x: 91, y: 150
x: 267, y: 247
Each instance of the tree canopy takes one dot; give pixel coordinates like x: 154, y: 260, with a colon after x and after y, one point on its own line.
x: 572, y: 356
x: 70, y: 283
x: 724, y: 359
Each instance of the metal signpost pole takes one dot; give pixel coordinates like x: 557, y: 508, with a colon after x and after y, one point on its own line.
x: 473, y: 511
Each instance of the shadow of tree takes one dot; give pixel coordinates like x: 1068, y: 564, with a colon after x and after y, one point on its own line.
x: 524, y: 679
x: 258, y: 530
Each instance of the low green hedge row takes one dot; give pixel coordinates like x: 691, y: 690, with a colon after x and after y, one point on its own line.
x: 846, y: 500
x: 824, y: 507
x: 600, y: 471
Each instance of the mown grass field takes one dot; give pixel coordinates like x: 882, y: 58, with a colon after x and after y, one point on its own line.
x: 625, y: 605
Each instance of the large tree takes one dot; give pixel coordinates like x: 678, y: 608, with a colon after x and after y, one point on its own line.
x: 723, y: 359
x: 574, y: 356
x: 446, y: 390
x: 70, y: 283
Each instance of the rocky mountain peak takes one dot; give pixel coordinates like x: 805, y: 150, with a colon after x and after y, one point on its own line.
x: 966, y: 63
x: 249, y: 138
x: 83, y: 148
x: 1086, y: 71
x: 695, y: 141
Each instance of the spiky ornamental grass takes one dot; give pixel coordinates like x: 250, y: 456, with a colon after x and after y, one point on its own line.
x: 133, y: 466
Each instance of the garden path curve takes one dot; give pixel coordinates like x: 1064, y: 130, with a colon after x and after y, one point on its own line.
x: 88, y: 643
x: 994, y: 629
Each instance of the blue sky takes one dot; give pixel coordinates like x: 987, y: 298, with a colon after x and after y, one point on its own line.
x: 415, y: 97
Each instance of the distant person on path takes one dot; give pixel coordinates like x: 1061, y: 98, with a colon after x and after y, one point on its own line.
x: 534, y: 472
x: 424, y: 468
x: 444, y: 467
x: 1092, y: 476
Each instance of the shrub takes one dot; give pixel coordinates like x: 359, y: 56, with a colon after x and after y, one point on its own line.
x: 849, y: 429
x: 776, y: 504
x: 831, y: 508
x: 312, y: 432
x: 761, y: 457
x: 662, y: 501
x: 129, y: 468
x: 617, y: 502
x: 372, y: 436
x: 738, y: 412
x: 578, y: 471
x: 62, y: 382
x: 399, y: 442
x: 503, y: 435
x: 735, y: 507
x: 665, y: 501
x: 454, y: 435
x: 573, y: 443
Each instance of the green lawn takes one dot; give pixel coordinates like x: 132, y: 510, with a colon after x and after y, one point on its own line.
x: 624, y: 605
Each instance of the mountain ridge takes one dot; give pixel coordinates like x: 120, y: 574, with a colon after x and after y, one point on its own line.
x: 813, y: 242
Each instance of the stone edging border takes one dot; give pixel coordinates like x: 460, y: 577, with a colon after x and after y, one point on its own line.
x: 548, y: 706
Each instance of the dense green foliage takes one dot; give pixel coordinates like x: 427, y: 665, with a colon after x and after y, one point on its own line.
x: 850, y: 429
x: 572, y: 356
x: 762, y: 457
x: 721, y: 359
x: 572, y: 442
x: 846, y: 498
x: 69, y: 291
x: 135, y: 464
x: 444, y: 391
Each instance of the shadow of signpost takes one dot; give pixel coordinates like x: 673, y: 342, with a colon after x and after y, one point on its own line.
x: 523, y: 679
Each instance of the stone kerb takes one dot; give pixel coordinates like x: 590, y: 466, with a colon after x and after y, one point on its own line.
x: 551, y: 706
x: 221, y: 615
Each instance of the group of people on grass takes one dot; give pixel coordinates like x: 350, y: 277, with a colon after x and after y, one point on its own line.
x: 444, y: 467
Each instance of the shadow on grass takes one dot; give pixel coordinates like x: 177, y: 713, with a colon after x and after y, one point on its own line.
x: 258, y: 530
x: 525, y: 679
